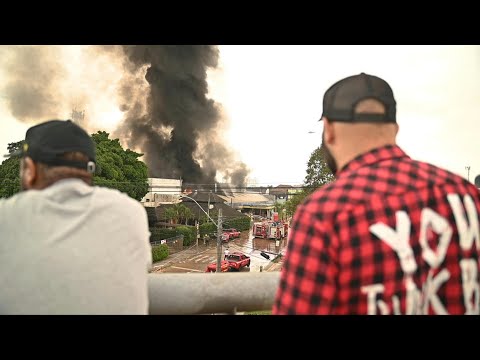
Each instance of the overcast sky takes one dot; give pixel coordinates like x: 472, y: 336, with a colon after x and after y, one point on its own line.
x: 272, y: 99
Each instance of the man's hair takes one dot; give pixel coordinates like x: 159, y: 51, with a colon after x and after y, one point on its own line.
x: 369, y: 106
x: 52, y: 174
x: 369, y: 130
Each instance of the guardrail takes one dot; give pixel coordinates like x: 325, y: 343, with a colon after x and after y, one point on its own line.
x: 211, y: 293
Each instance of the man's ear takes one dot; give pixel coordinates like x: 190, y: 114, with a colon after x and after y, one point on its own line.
x: 329, y: 131
x: 28, y: 173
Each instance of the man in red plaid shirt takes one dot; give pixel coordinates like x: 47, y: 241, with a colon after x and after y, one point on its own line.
x: 390, y: 235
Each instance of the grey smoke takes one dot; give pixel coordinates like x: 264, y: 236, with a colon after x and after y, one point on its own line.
x: 32, y: 73
x: 177, y: 99
x: 163, y: 95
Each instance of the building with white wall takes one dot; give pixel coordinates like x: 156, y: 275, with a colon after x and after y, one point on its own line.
x: 162, y: 191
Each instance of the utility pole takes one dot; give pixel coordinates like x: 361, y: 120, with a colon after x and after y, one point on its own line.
x: 208, y: 209
x: 198, y: 232
x: 219, y: 241
x: 468, y: 172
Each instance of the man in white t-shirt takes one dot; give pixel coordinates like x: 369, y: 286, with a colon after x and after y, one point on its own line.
x: 67, y: 247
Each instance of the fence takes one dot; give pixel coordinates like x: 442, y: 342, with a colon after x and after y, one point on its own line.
x: 174, y: 243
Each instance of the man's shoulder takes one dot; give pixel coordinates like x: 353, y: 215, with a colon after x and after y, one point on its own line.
x: 328, y: 198
x: 404, y: 174
x: 17, y: 205
x: 21, y: 198
x: 117, y: 197
x: 436, y: 175
x: 327, y: 192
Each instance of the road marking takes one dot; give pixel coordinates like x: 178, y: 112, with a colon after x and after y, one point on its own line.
x: 204, y: 257
x: 182, y: 268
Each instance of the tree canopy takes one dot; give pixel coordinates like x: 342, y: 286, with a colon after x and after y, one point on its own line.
x: 116, y: 168
x: 10, y: 172
x: 318, y: 174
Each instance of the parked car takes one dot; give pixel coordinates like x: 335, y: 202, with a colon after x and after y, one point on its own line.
x: 234, y: 233
x: 238, y: 260
x: 224, y: 266
x: 225, y: 236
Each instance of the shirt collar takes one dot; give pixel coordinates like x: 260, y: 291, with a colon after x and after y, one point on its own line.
x: 371, y: 157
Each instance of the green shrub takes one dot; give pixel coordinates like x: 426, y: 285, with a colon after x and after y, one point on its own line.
x: 158, y: 234
x: 189, y: 233
x: 159, y: 252
x: 207, y: 228
x: 240, y: 223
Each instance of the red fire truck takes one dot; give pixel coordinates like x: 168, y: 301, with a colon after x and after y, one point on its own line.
x: 270, y: 229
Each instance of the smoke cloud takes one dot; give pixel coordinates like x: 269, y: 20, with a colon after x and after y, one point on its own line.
x: 153, y: 98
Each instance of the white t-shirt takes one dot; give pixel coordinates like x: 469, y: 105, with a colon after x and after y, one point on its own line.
x: 73, y: 249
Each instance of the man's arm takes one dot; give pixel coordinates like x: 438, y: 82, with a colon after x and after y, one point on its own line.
x: 141, y: 224
x: 308, y: 279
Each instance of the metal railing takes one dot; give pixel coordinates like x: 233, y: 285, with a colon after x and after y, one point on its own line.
x: 211, y: 293
x: 167, y: 241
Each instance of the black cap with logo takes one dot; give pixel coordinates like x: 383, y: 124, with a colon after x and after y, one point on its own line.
x: 341, y: 98
x: 48, y: 141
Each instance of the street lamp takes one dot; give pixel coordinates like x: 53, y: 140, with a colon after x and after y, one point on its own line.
x: 209, y: 207
x: 219, y: 229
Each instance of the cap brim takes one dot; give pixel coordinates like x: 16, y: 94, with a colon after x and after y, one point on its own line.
x: 17, y: 152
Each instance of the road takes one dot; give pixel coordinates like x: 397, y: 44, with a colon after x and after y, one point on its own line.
x: 195, y: 260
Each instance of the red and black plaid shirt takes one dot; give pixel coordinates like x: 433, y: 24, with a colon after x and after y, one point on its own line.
x: 390, y: 236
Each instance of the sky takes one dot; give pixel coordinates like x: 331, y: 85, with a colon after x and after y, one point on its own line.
x: 271, y: 98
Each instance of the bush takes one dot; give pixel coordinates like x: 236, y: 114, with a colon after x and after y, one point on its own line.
x: 189, y: 233
x: 160, y: 234
x: 159, y: 252
x: 207, y: 228
x: 240, y: 223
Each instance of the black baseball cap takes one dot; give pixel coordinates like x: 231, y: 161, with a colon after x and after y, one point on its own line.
x: 341, y: 98
x: 48, y: 141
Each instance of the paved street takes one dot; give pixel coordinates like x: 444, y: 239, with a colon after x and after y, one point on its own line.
x: 195, y: 260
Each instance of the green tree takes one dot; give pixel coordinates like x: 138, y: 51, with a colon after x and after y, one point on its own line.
x: 178, y: 213
x: 318, y: 173
x: 169, y: 214
x: 11, y: 147
x: 279, y: 207
x: 188, y: 215
x: 10, y: 172
x: 118, y: 168
x: 294, y: 201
